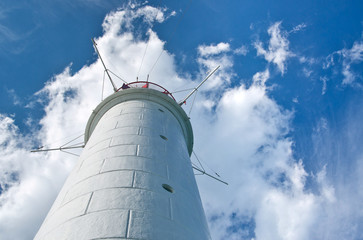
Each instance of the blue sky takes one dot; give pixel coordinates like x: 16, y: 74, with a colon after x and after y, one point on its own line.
x: 280, y: 121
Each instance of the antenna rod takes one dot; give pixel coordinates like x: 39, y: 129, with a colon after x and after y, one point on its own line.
x: 56, y: 149
x: 200, y: 84
x: 203, y: 172
x: 99, y: 55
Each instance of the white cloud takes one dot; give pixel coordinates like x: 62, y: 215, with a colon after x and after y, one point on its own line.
x: 324, y: 79
x: 340, y: 216
x: 213, y: 49
x: 29, y: 182
x: 351, y: 56
x: 298, y: 28
x: 349, y: 76
x: 260, y: 78
x: 278, y: 49
x: 16, y: 99
x: 210, y: 57
x: 243, y: 50
x: 348, y: 58
x: 327, y: 190
x: 308, y: 60
x: 254, y: 156
x: 8, y: 33
x: 286, y: 217
x: 355, y: 54
x: 150, y: 14
x: 307, y: 72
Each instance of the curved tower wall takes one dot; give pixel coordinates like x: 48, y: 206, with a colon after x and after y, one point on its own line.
x: 134, y: 179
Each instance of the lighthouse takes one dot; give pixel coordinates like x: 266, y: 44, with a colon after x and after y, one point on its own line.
x: 134, y: 178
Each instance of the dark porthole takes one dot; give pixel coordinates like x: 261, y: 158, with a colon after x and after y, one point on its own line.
x: 161, y: 110
x: 163, y: 137
x: 168, y: 188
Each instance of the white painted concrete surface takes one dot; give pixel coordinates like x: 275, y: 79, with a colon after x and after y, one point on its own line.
x: 137, y: 140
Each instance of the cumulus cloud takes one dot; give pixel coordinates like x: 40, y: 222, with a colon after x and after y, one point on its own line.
x: 278, y: 48
x: 213, y: 49
x: 29, y: 182
x: 211, y: 56
x: 266, y: 190
x: 239, y: 130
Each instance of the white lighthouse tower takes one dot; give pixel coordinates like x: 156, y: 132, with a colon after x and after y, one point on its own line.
x: 134, y: 179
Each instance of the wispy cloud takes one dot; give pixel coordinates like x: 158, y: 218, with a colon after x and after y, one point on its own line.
x: 347, y: 58
x: 307, y: 72
x: 16, y: 99
x: 243, y: 50
x: 298, y: 28
x: 340, y: 187
x: 324, y: 79
x: 12, y: 37
x: 8, y: 33
x: 277, y: 51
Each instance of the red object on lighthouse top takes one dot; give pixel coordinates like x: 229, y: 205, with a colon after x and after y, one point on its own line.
x: 146, y: 84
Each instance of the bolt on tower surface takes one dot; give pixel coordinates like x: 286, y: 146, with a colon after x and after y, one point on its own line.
x: 134, y: 179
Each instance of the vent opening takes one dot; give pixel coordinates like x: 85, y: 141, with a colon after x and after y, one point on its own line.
x: 168, y: 188
x: 163, y: 137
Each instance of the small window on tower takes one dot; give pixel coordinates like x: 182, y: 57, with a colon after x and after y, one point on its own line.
x: 168, y: 188
x: 163, y: 137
